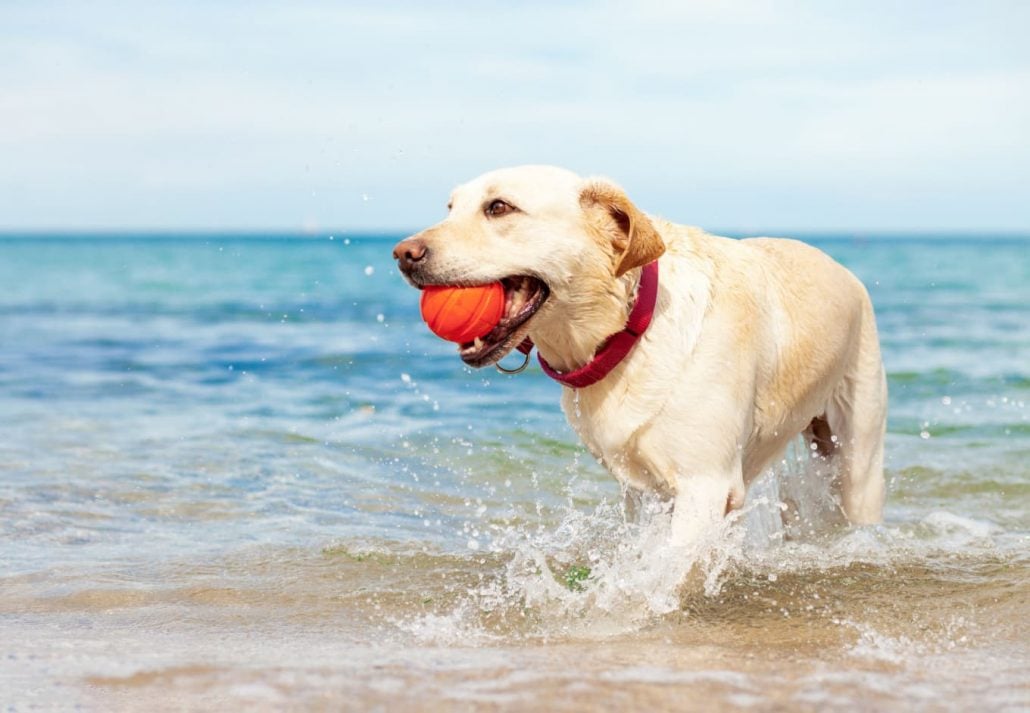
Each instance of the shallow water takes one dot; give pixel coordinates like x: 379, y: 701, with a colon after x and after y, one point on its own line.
x: 240, y: 472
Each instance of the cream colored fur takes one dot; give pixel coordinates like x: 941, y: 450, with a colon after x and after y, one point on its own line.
x: 751, y: 339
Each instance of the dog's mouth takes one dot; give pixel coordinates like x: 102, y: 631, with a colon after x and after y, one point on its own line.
x: 523, y: 297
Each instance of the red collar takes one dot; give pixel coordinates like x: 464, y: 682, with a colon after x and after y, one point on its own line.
x: 617, y: 346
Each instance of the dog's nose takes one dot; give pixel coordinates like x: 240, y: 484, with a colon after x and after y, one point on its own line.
x: 408, y: 253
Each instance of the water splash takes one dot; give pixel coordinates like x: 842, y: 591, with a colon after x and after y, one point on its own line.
x: 599, y: 574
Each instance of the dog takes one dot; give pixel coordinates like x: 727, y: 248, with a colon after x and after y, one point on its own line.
x: 748, y: 343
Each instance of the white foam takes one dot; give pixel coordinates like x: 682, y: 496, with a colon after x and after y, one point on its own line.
x: 458, y: 627
x: 964, y: 529
x: 791, y: 522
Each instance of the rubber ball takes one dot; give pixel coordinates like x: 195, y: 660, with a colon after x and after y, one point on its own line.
x: 460, y: 314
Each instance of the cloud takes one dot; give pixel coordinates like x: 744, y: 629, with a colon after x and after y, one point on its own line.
x: 240, y: 114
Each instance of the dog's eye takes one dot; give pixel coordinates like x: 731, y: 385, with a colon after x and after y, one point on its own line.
x: 498, y: 207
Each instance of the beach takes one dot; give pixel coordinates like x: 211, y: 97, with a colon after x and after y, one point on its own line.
x: 237, y: 471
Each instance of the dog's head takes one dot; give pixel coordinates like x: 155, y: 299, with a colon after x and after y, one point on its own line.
x: 551, y: 238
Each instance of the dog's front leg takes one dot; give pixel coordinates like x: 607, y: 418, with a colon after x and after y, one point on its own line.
x: 632, y: 503
x: 704, y: 475
x: 701, y: 502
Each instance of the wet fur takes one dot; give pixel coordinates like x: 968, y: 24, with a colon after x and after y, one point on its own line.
x: 752, y: 342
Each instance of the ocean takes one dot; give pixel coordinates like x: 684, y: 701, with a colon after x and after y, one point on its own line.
x: 238, y: 472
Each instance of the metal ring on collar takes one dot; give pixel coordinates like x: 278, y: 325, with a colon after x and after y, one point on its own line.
x: 520, y: 368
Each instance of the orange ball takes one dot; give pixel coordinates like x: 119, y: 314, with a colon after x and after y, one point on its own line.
x: 460, y: 314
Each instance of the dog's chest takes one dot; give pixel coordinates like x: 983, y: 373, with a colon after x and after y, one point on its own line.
x: 609, y: 424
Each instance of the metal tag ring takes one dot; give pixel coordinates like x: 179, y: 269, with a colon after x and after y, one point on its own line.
x: 517, y: 370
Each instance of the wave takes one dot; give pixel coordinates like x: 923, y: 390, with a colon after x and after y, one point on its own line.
x: 597, y: 574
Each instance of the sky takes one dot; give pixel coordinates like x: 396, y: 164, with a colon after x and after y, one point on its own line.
x: 745, y: 116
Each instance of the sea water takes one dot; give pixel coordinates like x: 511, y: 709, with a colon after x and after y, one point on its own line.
x: 238, y: 472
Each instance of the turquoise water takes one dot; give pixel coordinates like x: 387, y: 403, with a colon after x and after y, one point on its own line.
x: 195, y: 427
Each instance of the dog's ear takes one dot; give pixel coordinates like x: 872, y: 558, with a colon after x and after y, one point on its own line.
x: 614, y: 217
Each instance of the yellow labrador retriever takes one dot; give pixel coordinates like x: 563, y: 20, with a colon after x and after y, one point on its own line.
x: 748, y: 342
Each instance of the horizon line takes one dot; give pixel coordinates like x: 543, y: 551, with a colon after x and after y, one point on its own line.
x: 330, y: 234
